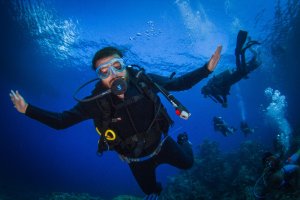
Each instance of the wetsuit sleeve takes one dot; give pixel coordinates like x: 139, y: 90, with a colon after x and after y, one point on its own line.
x: 58, y: 120
x: 183, y: 82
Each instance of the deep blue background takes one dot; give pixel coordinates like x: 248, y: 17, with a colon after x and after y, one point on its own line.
x: 46, y: 50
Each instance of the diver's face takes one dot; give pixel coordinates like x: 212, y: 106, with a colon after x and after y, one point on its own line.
x: 110, y: 67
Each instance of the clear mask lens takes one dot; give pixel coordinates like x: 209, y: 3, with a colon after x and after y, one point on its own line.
x: 115, y: 65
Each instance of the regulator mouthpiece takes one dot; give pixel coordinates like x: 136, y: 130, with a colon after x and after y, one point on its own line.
x: 119, y: 86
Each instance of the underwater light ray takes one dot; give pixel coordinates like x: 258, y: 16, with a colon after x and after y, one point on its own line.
x: 241, y: 103
x: 54, y: 35
x: 201, y: 30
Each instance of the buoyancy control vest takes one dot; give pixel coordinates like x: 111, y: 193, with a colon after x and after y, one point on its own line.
x: 134, y: 143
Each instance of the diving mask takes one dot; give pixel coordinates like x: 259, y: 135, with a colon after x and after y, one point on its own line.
x: 116, y: 65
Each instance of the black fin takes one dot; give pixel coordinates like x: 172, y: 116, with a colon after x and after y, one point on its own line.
x: 240, y: 41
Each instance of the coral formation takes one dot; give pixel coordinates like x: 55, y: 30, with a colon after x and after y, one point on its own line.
x: 126, y: 197
x: 222, y: 176
x: 69, y: 196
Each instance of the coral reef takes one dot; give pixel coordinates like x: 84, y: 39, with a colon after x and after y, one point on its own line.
x: 221, y: 176
x: 126, y: 197
x: 83, y: 196
x: 69, y: 196
x: 215, y: 175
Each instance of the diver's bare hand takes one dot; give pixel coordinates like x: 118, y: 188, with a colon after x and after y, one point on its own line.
x: 212, y: 63
x: 18, y: 101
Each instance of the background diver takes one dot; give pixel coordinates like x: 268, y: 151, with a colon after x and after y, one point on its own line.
x: 218, y: 87
x: 128, y: 115
x: 221, y: 126
x: 244, y: 127
x: 279, y: 174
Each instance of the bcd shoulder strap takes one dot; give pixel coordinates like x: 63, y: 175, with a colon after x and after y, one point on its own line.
x: 143, y: 84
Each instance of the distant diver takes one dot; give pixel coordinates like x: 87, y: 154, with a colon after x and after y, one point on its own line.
x: 128, y: 115
x: 218, y: 87
x: 245, y: 128
x: 221, y: 126
x: 279, y: 174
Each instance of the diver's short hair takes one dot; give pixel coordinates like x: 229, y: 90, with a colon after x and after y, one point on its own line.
x: 105, y: 52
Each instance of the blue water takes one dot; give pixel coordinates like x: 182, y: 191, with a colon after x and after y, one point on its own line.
x: 46, y: 52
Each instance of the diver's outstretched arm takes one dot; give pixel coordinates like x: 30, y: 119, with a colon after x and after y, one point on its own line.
x: 189, y: 79
x: 18, y: 101
x: 56, y: 120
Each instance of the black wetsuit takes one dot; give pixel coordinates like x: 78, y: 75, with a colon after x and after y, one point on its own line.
x: 131, y: 119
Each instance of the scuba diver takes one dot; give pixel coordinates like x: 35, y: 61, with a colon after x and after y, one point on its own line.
x: 245, y: 128
x: 221, y: 126
x: 279, y: 175
x: 218, y: 87
x: 128, y: 115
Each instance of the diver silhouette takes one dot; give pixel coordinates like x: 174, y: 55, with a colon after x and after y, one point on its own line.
x: 221, y: 126
x: 218, y: 87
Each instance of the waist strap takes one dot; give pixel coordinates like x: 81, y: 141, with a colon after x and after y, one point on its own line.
x: 141, y: 159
